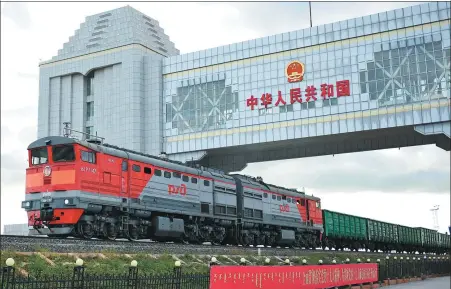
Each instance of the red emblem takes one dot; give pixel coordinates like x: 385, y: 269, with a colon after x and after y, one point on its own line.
x: 295, y: 71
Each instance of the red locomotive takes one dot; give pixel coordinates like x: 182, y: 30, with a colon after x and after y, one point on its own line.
x: 84, y: 189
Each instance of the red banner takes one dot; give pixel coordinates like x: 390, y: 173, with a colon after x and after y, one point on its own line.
x: 291, y: 277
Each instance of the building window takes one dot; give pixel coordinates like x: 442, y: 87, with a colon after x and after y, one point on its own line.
x: 90, y: 110
x: 330, y: 102
x: 286, y: 108
x: 89, y: 131
x: 90, y: 84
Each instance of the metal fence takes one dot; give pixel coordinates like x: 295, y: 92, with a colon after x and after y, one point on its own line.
x: 389, y: 269
x: 416, y: 267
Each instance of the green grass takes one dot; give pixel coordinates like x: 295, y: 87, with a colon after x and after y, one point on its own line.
x: 112, y: 264
x: 162, y: 264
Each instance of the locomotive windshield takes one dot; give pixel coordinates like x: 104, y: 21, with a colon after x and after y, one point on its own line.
x: 39, y: 156
x: 63, y: 153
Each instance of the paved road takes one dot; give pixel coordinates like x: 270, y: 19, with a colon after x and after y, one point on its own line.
x: 433, y: 283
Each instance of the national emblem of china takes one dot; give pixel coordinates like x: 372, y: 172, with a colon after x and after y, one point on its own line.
x: 295, y: 71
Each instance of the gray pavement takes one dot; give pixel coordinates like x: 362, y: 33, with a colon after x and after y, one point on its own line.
x: 433, y: 283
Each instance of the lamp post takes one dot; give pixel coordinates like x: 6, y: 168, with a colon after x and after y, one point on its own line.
x: 133, y: 274
x: 243, y: 262
x: 79, y: 274
x: 177, y: 274
x: 213, y: 261
x: 8, y: 272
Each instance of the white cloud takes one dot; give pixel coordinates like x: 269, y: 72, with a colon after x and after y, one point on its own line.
x: 31, y: 32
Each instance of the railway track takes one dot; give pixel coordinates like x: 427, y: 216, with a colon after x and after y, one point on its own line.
x: 68, y: 245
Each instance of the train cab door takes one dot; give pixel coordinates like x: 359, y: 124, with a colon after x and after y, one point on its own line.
x: 125, y: 187
x: 311, y: 210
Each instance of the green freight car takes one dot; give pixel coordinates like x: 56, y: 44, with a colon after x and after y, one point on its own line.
x: 343, y: 231
x: 409, y: 239
x: 382, y: 236
x: 356, y: 233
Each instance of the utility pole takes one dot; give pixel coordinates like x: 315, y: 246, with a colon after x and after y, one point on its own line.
x: 310, y: 10
x: 434, y: 211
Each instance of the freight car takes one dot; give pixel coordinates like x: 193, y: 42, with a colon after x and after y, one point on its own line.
x: 356, y: 233
x: 85, y: 189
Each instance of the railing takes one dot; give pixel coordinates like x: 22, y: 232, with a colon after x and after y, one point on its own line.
x: 391, y: 270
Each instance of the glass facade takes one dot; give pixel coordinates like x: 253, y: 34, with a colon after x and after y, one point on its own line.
x: 391, y: 58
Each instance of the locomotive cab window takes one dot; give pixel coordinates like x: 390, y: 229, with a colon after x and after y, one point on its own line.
x: 265, y: 195
x: 194, y: 180
x: 206, y: 183
x: 158, y: 173
x: 136, y: 168
x: 303, y: 202
x: 185, y: 178
x: 90, y: 157
x: 39, y: 156
x: 318, y: 205
x: 284, y: 198
x: 147, y: 170
x: 176, y: 175
x: 64, y: 153
x: 288, y: 200
x: 273, y: 197
x: 279, y: 198
x: 167, y: 175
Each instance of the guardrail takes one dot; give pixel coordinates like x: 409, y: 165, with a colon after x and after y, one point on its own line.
x: 333, y: 275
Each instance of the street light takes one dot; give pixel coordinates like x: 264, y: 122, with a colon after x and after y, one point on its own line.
x: 10, y: 262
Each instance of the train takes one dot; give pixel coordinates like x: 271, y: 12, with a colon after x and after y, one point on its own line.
x: 354, y: 232
x: 90, y: 189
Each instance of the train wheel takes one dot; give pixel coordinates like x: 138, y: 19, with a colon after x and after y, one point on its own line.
x: 246, y: 239
x: 132, y: 234
x: 110, y: 232
x: 86, y: 230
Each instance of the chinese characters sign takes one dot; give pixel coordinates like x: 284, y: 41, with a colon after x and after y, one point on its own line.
x: 342, y: 88
x: 291, y: 277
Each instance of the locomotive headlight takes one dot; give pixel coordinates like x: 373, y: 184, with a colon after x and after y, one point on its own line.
x: 47, y: 171
x: 69, y: 202
x: 26, y: 204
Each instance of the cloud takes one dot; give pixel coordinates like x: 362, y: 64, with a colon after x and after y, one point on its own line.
x: 28, y: 75
x: 18, y: 13
x: 414, y: 169
x: 28, y: 134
